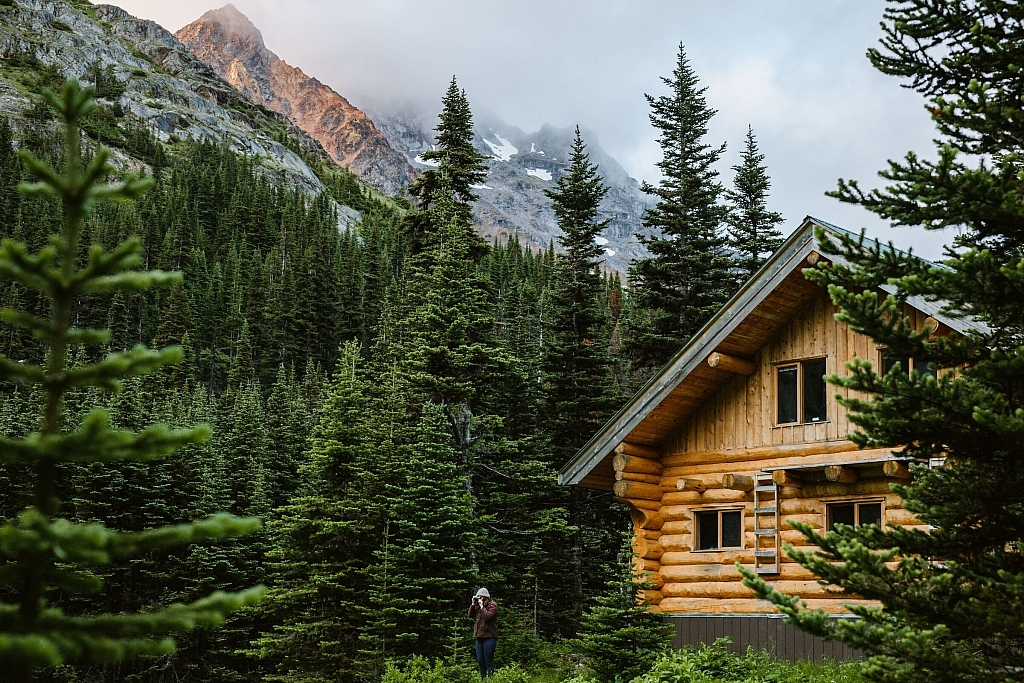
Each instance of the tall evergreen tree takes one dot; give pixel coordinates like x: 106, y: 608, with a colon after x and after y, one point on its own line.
x: 951, y: 598
x: 42, y: 552
x: 687, y: 277
x: 753, y: 234
x: 454, y: 142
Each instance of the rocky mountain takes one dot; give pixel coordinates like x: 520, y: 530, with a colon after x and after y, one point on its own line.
x: 521, y: 167
x: 230, y: 43
x: 151, y: 79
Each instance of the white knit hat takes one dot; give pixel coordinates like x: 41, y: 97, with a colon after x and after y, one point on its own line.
x: 482, y: 593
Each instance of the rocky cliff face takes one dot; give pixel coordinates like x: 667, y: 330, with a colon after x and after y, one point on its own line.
x: 522, y: 166
x: 164, y: 86
x: 227, y: 41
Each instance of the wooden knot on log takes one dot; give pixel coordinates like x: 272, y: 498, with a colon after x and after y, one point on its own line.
x: 740, y: 366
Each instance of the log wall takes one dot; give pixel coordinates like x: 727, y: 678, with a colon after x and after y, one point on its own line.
x: 734, y: 434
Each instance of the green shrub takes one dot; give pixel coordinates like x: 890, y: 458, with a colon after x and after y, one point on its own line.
x: 715, y: 664
x: 420, y: 670
x: 513, y: 673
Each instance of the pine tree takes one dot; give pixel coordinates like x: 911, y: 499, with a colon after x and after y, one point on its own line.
x: 620, y: 637
x: 42, y: 551
x: 687, y: 277
x: 752, y: 232
x: 950, y: 597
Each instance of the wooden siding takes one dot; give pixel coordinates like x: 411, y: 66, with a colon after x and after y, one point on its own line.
x: 769, y: 633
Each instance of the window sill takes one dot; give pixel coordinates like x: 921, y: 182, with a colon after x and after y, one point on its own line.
x: 719, y: 550
x: 801, y: 424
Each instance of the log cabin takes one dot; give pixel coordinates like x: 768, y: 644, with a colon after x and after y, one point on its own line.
x: 739, y: 433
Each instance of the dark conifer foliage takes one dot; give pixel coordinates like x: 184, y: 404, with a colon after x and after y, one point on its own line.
x: 753, y: 235
x: 951, y: 597
x: 687, y: 277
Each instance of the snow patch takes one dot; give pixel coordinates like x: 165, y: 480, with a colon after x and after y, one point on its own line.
x: 534, y: 150
x: 539, y: 173
x: 600, y: 241
x: 610, y: 252
x: 481, y: 187
x: 504, y: 150
x: 420, y: 160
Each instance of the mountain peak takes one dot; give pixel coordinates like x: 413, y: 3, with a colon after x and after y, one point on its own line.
x: 232, y: 22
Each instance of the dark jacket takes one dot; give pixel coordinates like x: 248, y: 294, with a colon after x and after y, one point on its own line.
x: 485, y: 624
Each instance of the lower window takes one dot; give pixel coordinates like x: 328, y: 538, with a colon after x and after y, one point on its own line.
x: 718, y: 529
x: 853, y: 514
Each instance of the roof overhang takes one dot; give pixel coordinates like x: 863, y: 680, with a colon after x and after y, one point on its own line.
x: 765, y: 302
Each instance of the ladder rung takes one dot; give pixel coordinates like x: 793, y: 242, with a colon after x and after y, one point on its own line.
x: 764, y: 553
x: 765, y: 532
x: 764, y: 489
x: 767, y: 570
x: 765, y: 511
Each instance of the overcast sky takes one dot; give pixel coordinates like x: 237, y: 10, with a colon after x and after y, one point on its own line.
x: 793, y: 69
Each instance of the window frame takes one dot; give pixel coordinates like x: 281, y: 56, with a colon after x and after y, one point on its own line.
x: 856, y: 502
x: 911, y: 365
x: 695, y: 529
x: 799, y: 364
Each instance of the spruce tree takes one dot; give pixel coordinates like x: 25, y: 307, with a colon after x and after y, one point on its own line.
x: 687, y: 277
x: 44, y: 553
x: 577, y: 367
x: 753, y: 235
x: 453, y: 141
x: 950, y: 598
x: 619, y: 635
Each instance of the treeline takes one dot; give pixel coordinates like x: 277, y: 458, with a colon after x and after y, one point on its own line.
x: 392, y: 398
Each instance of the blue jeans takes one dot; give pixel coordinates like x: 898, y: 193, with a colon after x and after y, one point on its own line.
x: 485, y: 655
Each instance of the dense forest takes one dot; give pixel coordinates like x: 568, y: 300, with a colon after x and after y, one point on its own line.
x: 391, y: 398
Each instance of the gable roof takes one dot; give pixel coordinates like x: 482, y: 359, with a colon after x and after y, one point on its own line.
x: 765, y: 302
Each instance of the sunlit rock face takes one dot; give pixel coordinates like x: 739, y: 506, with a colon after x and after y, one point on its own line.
x: 226, y: 40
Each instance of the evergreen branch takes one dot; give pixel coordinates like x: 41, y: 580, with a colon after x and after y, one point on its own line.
x: 132, y: 282
x: 94, y: 441
x: 107, y: 373
x: 22, y: 373
x: 219, y: 526
x: 31, y: 271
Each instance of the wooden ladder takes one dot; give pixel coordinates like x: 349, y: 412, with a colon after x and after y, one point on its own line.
x: 767, y: 546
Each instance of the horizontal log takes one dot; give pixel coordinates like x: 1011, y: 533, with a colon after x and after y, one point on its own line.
x: 746, y: 605
x: 652, y: 534
x: 841, y: 475
x: 644, y: 504
x: 901, y: 517
x: 654, y: 578
x: 737, y: 482
x: 896, y: 469
x: 637, y: 489
x: 653, y: 551
x: 650, y: 596
x: 632, y: 463
x: 684, y: 484
x: 709, y: 496
x: 639, y: 450
x: 725, y: 571
x: 760, y: 453
x: 681, y: 526
x: 706, y: 465
x: 639, y: 476
x: 646, y: 565
x: 647, y: 519
x: 736, y: 589
x: 735, y: 364
x: 864, y: 487
x: 675, y: 542
x: 788, y: 479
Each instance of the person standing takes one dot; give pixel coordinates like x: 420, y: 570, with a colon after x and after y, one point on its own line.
x: 484, y: 612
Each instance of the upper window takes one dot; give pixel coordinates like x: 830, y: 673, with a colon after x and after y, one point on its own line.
x: 718, y: 529
x: 891, y: 360
x: 854, y: 513
x: 801, y: 392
